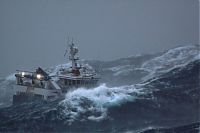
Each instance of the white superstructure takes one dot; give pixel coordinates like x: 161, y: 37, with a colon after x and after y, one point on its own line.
x: 39, y: 85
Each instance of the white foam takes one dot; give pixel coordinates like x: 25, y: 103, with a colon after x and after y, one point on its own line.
x: 10, y: 77
x: 171, y: 59
x: 197, y: 57
x: 117, y: 68
x: 55, y: 69
x: 96, y: 101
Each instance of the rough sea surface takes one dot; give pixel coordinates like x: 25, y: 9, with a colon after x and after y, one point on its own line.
x: 157, y: 93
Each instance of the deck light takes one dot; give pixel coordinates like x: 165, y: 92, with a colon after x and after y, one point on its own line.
x: 23, y: 74
x: 39, y: 76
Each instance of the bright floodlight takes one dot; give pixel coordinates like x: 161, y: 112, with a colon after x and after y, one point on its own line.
x: 23, y: 73
x: 39, y: 76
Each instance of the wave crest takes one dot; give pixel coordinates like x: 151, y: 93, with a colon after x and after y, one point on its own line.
x: 92, y: 104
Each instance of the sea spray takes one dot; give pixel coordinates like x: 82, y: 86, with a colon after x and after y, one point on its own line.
x: 92, y: 104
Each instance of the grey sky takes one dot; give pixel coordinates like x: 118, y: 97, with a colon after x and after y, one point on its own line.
x: 33, y: 32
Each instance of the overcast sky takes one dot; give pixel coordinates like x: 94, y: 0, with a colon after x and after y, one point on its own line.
x: 33, y: 32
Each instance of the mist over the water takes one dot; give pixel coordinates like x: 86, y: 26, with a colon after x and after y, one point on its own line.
x: 33, y: 33
x: 147, y: 93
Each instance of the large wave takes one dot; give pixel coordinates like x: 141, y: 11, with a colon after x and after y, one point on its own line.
x: 92, y: 104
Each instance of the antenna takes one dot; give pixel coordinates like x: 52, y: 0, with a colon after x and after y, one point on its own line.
x: 67, y: 40
x: 65, y: 52
x: 72, y: 40
x: 68, y: 45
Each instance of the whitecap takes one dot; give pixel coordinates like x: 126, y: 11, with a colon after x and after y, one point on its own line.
x: 95, y: 102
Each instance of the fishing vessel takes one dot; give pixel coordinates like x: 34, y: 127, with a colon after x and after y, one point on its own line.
x: 39, y: 85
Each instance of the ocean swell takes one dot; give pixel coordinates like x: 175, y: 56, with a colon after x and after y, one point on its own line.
x: 92, y: 104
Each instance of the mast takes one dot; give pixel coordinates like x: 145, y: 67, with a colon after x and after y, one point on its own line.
x: 72, y: 55
x: 72, y: 52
